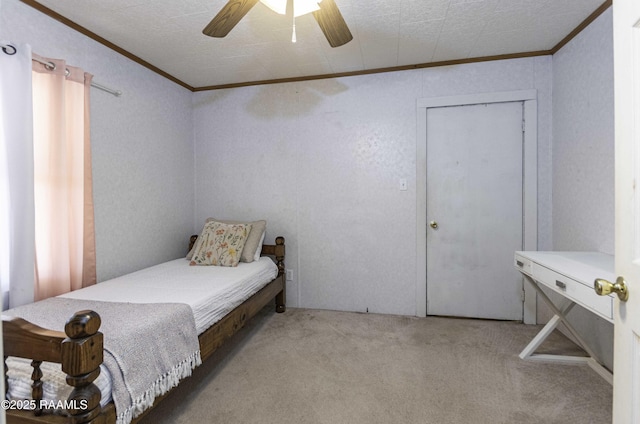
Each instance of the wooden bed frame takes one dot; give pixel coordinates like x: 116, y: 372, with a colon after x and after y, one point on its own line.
x: 79, y: 350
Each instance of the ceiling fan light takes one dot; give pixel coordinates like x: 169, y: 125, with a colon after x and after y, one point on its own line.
x: 300, y: 7
x: 278, y: 6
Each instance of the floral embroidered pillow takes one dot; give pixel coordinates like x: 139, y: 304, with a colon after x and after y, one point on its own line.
x: 220, y: 244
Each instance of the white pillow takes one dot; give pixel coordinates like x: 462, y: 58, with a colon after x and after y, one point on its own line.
x: 256, y: 257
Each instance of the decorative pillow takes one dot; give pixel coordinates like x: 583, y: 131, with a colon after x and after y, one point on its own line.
x: 220, y: 244
x: 253, y: 243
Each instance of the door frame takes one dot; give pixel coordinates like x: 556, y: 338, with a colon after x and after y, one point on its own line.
x: 530, y: 183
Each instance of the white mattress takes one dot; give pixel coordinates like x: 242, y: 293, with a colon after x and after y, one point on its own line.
x: 211, y: 291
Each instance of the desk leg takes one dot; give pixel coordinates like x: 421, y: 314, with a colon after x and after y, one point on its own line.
x: 560, y: 316
x: 543, y: 334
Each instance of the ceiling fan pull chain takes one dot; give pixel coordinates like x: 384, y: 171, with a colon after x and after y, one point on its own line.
x: 293, y: 36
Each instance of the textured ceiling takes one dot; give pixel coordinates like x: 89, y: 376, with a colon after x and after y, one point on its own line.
x: 387, y: 33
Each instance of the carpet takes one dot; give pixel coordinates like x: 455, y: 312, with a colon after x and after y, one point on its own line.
x: 315, y: 366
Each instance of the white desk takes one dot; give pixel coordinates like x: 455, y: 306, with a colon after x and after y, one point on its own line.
x: 570, y: 274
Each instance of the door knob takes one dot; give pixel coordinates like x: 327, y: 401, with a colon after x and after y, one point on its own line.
x: 434, y: 225
x: 604, y: 287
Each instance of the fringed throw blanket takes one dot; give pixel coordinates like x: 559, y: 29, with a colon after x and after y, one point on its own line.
x: 148, y: 348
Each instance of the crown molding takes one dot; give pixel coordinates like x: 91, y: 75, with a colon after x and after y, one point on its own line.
x: 600, y: 10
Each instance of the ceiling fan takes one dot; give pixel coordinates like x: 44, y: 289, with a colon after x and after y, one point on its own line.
x: 326, y: 13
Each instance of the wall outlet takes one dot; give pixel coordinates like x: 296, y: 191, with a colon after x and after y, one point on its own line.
x: 289, y: 274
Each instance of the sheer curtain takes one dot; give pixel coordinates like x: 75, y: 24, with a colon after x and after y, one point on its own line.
x: 64, y: 228
x: 16, y: 177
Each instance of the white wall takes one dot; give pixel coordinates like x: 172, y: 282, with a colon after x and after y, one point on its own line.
x: 583, y: 140
x: 321, y: 161
x: 583, y: 158
x: 142, y: 146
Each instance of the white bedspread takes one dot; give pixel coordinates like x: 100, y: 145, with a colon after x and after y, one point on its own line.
x: 211, y: 291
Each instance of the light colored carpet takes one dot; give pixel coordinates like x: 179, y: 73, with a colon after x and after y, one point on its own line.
x: 312, y: 366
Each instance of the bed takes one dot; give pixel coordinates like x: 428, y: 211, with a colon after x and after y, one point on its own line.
x: 80, y: 349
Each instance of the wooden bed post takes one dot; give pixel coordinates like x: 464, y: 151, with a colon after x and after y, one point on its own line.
x: 36, y: 386
x: 82, y: 354
x: 192, y: 242
x: 281, y: 298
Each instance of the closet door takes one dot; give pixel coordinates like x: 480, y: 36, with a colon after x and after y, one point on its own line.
x: 474, y: 210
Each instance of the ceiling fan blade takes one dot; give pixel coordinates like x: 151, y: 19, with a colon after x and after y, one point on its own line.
x: 228, y: 17
x: 332, y: 23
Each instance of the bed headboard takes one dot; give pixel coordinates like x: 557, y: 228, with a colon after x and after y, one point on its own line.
x: 192, y: 241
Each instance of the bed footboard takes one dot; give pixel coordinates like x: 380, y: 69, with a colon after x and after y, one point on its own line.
x: 80, y: 352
